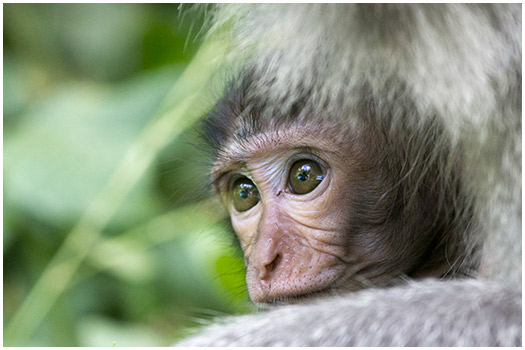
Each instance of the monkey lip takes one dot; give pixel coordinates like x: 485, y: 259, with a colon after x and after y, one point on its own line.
x: 300, y: 298
x: 294, y: 298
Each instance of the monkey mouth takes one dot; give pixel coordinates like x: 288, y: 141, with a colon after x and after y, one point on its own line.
x: 297, y: 298
x: 301, y: 298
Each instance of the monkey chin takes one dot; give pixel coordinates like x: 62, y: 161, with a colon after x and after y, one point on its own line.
x: 278, y: 291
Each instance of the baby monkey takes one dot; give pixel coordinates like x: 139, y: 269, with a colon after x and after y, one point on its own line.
x: 332, y: 203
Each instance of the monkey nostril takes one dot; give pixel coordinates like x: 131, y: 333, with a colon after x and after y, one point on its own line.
x: 273, y: 265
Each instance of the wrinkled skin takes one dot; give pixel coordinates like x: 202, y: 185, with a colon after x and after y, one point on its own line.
x: 301, y: 245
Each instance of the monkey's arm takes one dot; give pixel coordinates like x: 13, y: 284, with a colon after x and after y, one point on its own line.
x: 428, y: 313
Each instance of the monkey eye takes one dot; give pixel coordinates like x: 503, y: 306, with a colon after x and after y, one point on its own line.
x: 305, y: 175
x: 244, y: 194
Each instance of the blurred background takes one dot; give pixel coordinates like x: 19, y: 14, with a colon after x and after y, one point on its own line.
x: 111, y: 237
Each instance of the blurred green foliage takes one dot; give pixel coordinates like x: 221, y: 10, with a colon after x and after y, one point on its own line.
x: 110, y: 235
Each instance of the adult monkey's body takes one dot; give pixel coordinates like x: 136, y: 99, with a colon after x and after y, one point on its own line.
x: 367, y: 145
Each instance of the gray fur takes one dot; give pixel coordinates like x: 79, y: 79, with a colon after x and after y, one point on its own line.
x: 431, y: 313
x: 460, y: 64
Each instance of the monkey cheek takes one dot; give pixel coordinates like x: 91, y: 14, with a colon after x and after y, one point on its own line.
x: 293, y: 276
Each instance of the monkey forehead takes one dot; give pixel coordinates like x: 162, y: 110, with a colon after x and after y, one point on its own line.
x: 237, y: 152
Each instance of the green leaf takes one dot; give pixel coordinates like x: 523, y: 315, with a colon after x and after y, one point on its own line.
x: 60, y: 157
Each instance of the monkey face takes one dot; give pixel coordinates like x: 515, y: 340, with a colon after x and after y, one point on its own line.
x: 288, y: 194
x: 332, y: 205
x: 286, y: 208
x: 319, y: 210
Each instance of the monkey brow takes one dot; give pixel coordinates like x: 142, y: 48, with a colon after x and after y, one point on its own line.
x: 223, y: 167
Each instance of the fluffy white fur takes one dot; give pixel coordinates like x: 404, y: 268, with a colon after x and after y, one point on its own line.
x: 430, y: 313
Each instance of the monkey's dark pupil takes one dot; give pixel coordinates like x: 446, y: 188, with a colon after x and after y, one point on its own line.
x: 303, y: 176
x: 244, y: 194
